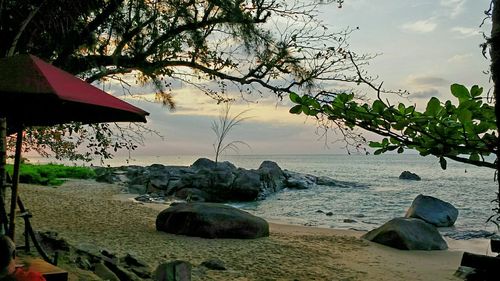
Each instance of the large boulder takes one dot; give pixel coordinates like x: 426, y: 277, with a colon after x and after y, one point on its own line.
x: 215, y: 182
x: 272, y: 178
x: 433, y: 210
x: 246, y: 185
x: 407, y: 234
x: 407, y: 175
x: 211, y: 220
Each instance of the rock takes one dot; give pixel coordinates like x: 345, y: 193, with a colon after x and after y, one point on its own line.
x: 105, y: 273
x: 211, y: 220
x: 246, y: 185
x: 467, y: 273
x: 433, y: 210
x: 329, y: 214
x: 203, y: 163
x: 214, y: 264
x: 193, y: 195
x: 406, y: 175
x: 299, y: 181
x: 327, y: 181
x: 173, y: 271
x: 130, y: 260
x: 137, y: 189
x: 272, y: 177
x: 52, y: 240
x: 320, y: 211
x: 83, y: 263
x: 349, y: 221
x: 123, y: 275
x: 471, y: 234
x: 407, y: 234
x: 216, y: 182
x: 105, y: 175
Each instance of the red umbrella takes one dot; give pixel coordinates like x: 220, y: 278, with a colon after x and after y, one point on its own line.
x: 35, y: 93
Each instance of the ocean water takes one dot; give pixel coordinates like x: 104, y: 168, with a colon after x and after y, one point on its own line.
x: 375, y: 193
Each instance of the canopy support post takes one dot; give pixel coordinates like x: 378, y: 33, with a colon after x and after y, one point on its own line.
x: 15, y: 183
x: 3, y: 163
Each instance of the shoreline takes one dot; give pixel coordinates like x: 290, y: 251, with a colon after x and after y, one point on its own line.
x: 475, y: 245
x: 85, y: 213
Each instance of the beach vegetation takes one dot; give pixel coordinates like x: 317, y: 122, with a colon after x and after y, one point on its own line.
x: 51, y: 174
x: 223, y: 126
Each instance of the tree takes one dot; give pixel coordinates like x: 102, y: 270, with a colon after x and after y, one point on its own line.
x: 223, y: 126
x: 256, y: 46
x: 466, y: 132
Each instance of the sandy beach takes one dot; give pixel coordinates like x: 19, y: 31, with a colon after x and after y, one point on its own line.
x: 90, y: 214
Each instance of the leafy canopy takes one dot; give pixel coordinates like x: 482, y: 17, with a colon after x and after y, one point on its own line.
x: 465, y: 132
x: 249, y: 46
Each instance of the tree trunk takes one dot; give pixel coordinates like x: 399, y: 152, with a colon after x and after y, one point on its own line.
x: 494, y: 42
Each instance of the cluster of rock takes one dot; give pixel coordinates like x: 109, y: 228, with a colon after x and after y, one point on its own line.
x: 207, y: 181
x: 418, y: 229
x: 101, y: 262
x: 108, y: 266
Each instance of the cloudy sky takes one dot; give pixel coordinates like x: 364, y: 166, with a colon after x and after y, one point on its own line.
x: 424, y: 47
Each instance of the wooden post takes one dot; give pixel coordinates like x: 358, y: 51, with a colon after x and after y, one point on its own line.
x: 3, y: 163
x: 15, y: 183
x: 481, y: 262
x: 495, y: 246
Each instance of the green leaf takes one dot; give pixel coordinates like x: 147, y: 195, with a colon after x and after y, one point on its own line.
x: 409, y: 109
x: 378, y: 106
x: 374, y: 144
x: 433, y: 107
x: 401, y: 150
x: 464, y: 116
x: 476, y: 91
x: 460, y: 92
x: 474, y: 157
x: 378, y: 151
x: 296, y: 109
x: 442, y: 162
x: 295, y: 98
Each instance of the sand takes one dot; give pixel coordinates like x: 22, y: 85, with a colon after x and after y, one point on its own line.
x: 90, y: 214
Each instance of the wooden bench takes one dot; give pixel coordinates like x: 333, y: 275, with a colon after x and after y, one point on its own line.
x: 49, y: 271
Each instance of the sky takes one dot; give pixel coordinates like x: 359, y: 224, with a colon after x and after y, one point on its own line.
x: 424, y: 46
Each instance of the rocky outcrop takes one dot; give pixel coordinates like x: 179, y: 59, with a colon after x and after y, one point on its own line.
x: 407, y: 175
x: 433, y: 210
x: 207, y: 181
x: 407, y: 234
x: 300, y: 181
x: 211, y: 220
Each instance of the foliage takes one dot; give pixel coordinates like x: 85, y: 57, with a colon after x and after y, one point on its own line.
x: 256, y: 46
x: 465, y: 132
x: 223, y: 126
x: 51, y: 174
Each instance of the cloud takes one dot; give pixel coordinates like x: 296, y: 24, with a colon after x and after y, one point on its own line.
x: 460, y: 58
x: 455, y: 7
x: 424, y: 94
x: 421, y: 26
x: 428, y: 81
x: 465, y: 32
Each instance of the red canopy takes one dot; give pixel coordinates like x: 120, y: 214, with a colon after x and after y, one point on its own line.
x: 35, y: 93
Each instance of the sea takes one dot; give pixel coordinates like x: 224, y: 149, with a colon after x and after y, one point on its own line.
x: 373, y: 195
